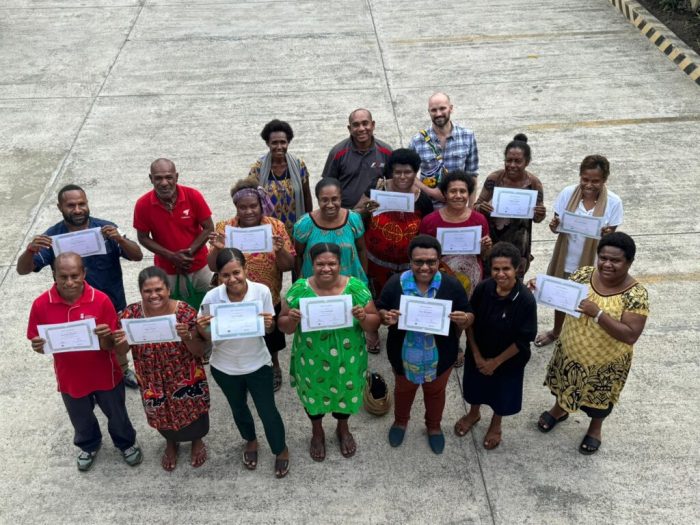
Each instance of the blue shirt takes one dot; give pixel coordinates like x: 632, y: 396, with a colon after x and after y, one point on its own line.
x: 103, y: 272
x: 460, y: 153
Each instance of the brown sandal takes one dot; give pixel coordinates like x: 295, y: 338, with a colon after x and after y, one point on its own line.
x: 460, y: 429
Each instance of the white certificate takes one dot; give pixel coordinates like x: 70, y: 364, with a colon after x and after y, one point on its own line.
x: 585, y: 225
x: 392, y: 201
x: 460, y: 241
x: 560, y: 294
x: 255, y: 239
x: 325, y: 313
x: 430, y: 316
x: 83, y: 242
x: 237, y: 320
x: 160, y: 329
x: 75, y: 336
x: 513, y: 203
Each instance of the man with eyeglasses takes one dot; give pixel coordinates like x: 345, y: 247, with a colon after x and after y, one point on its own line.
x: 421, y: 359
x: 104, y: 271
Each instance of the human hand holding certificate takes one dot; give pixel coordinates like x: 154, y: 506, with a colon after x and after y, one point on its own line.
x: 255, y: 239
x: 392, y: 201
x: 560, y: 294
x: 513, y: 203
x: 325, y: 313
x: 236, y: 320
x: 75, y: 336
x: 585, y: 225
x: 83, y: 242
x: 160, y: 329
x: 460, y: 241
x: 430, y: 316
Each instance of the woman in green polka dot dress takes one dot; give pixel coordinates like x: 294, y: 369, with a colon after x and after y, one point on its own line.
x: 328, y: 366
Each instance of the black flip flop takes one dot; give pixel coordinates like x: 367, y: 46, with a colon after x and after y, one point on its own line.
x: 589, y: 445
x: 281, y: 468
x: 250, y: 459
x: 550, y: 421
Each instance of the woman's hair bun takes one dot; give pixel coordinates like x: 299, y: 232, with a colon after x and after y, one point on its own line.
x: 521, y: 137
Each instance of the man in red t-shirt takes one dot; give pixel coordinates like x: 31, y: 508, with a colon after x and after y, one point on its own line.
x: 85, y: 377
x: 174, y: 222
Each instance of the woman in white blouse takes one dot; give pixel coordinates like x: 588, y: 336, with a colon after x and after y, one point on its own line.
x: 590, y: 197
x: 244, y: 365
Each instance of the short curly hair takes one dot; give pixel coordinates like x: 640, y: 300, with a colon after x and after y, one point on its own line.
x: 457, y: 175
x: 276, y: 125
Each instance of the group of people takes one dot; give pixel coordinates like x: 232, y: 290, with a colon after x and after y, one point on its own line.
x: 341, y: 248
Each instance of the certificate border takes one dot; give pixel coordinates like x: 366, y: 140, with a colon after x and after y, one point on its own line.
x: 445, y: 319
x: 229, y: 238
x: 563, y: 229
x: 96, y: 232
x: 503, y: 191
x: 88, y: 348
x: 446, y: 230
x: 564, y: 282
x: 129, y: 322
x: 318, y: 300
x: 410, y: 198
x: 237, y: 335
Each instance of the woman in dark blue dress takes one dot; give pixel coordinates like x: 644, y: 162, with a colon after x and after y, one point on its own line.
x: 505, y: 324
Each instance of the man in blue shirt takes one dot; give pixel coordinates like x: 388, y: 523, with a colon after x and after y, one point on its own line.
x: 104, y: 272
x: 443, y: 147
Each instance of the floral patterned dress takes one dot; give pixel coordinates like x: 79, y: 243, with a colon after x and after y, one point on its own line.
x: 173, y: 383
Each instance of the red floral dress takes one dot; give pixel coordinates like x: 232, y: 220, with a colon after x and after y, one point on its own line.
x: 173, y: 383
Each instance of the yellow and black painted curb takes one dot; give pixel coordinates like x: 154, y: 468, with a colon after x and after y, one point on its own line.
x: 662, y: 37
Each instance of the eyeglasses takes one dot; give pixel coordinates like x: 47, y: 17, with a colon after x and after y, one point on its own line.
x: 419, y: 263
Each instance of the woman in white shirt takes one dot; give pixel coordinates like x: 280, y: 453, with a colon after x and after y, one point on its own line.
x: 590, y: 197
x: 244, y: 365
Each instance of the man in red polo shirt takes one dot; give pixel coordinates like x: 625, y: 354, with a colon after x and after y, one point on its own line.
x: 174, y: 222
x: 89, y: 377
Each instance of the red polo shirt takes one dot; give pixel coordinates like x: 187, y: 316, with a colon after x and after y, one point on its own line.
x: 176, y: 229
x: 78, y: 373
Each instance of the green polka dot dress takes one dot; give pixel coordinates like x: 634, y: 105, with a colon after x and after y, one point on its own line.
x: 328, y: 367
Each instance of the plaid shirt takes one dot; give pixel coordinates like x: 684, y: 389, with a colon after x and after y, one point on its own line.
x: 460, y: 153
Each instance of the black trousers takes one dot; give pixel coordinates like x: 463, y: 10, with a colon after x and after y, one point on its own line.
x: 81, y: 412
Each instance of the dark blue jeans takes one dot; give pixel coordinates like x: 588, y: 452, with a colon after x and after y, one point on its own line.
x: 87, y: 430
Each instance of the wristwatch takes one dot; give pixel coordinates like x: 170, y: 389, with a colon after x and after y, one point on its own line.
x: 596, y: 319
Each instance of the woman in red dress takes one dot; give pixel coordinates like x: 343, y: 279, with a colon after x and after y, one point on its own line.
x: 171, y: 377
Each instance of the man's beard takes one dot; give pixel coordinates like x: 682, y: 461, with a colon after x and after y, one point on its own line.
x: 76, y: 220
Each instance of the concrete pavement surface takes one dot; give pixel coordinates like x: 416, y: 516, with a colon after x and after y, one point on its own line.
x: 91, y: 91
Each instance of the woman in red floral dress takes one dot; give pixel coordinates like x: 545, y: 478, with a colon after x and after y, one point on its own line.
x: 171, y: 377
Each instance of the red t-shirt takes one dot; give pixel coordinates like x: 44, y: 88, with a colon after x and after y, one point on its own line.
x: 176, y: 229
x: 78, y: 373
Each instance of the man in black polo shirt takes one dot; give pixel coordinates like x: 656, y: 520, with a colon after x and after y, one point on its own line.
x: 359, y: 160
x: 104, y: 272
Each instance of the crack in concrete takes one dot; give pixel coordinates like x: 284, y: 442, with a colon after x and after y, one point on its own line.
x: 384, y: 71
x: 56, y: 175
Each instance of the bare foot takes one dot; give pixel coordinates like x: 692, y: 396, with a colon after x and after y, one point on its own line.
x: 317, y: 449
x: 169, y: 459
x: 199, y: 453
x: 465, y: 423
x: 348, y: 447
